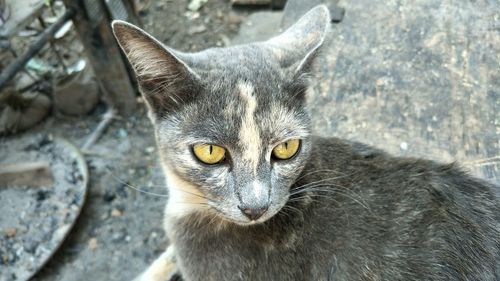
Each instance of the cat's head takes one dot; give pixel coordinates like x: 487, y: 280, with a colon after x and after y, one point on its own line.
x: 231, y: 123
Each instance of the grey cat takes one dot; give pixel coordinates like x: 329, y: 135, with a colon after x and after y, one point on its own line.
x: 254, y: 196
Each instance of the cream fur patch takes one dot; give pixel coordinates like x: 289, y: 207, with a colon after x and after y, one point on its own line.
x: 249, y: 135
x: 184, y: 198
x: 162, y: 268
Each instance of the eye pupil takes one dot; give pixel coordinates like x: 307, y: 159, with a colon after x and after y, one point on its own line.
x: 286, y: 150
x: 209, y: 154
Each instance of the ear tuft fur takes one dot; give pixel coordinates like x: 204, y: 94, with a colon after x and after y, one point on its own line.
x: 161, y: 74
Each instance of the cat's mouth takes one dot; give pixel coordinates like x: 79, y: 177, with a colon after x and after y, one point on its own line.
x: 238, y: 217
x: 241, y: 220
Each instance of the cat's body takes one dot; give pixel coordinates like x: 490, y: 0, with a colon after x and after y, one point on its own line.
x: 358, y: 221
x: 253, y: 196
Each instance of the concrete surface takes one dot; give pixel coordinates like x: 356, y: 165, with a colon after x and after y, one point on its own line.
x: 418, y: 77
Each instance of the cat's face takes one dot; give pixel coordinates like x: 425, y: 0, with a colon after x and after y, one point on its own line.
x: 230, y: 123
x: 221, y: 146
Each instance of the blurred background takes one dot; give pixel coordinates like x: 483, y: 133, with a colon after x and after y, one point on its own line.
x: 81, y: 192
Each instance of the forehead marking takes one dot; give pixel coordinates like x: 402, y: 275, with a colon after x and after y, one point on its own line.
x: 249, y: 136
x: 229, y: 110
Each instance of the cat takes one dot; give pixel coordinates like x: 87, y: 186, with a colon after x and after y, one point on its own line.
x: 253, y: 195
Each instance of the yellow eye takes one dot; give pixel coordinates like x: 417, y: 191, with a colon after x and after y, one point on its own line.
x: 209, y: 153
x: 287, y: 149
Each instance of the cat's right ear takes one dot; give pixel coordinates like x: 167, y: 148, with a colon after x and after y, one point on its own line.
x: 298, y: 46
x: 164, y: 78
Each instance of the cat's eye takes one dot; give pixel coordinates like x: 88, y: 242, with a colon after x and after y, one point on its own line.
x: 209, y: 153
x: 287, y: 149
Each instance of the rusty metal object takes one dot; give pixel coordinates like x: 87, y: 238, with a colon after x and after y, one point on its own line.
x: 92, y: 23
x: 42, y: 39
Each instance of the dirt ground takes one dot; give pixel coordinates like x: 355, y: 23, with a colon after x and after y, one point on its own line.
x: 119, y: 231
x: 416, y: 78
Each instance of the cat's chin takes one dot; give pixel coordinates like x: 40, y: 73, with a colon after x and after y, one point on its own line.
x: 242, y: 222
x: 248, y: 223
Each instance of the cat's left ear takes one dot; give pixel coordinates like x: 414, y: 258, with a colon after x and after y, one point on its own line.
x: 298, y: 46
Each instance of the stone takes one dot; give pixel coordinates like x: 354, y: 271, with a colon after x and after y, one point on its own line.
x: 10, y: 232
x: 92, y: 244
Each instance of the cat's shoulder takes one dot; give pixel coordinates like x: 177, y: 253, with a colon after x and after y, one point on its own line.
x: 336, y: 152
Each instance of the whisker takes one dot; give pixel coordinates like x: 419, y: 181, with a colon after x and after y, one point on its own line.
x: 288, y: 207
x: 304, y: 187
x: 329, y: 190
x: 320, y: 171
x: 136, y: 188
x: 300, y: 198
x: 313, y: 199
x: 153, y: 193
x: 211, y: 221
x: 188, y: 192
x: 284, y: 212
x: 192, y: 203
x: 316, y: 182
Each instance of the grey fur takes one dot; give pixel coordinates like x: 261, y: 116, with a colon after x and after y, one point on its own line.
x: 339, y: 210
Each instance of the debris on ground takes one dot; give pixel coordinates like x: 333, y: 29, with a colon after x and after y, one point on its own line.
x: 35, y: 221
x: 92, y: 243
x: 195, y: 5
x: 26, y: 99
x: 33, y: 173
x: 21, y: 111
x: 76, y: 93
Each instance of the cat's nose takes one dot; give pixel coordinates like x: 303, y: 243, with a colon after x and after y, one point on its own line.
x: 253, y: 213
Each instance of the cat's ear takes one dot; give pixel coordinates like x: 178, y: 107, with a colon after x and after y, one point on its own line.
x: 298, y: 46
x: 164, y: 78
